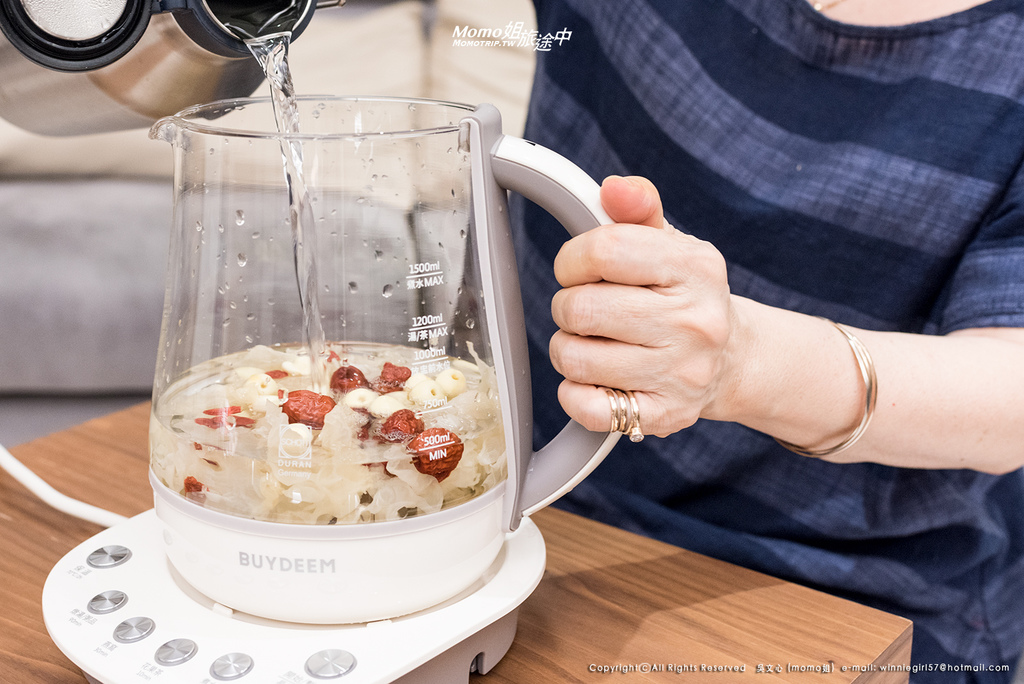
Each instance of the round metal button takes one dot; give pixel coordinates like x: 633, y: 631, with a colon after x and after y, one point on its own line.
x: 231, y: 666
x: 134, y: 629
x: 107, y: 602
x: 330, y: 664
x: 176, y: 652
x: 108, y: 556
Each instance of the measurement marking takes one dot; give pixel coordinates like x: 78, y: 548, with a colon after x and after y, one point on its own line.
x: 432, y: 366
x: 424, y: 275
x: 428, y: 327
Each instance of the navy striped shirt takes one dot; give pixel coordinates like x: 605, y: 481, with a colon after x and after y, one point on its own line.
x: 869, y: 175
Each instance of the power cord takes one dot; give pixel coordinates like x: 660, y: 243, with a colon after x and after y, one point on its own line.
x: 51, y: 496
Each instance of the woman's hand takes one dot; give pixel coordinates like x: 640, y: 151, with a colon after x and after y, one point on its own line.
x: 644, y: 308
x: 647, y: 308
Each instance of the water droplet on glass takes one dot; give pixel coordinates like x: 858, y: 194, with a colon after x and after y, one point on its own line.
x: 242, y: 259
x: 462, y: 233
x: 199, y: 226
x: 255, y: 235
x: 412, y: 108
x: 225, y: 323
x: 353, y: 287
x: 327, y: 288
x: 239, y: 218
x: 470, y: 323
x: 361, y: 200
x: 378, y: 255
x: 250, y: 317
x: 388, y: 291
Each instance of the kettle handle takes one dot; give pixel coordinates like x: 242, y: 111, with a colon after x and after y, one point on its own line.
x: 569, y: 194
x: 501, y: 163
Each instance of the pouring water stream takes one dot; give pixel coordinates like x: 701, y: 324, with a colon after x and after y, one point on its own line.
x: 271, y: 51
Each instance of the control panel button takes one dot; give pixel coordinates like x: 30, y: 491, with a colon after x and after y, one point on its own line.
x: 330, y: 664
x: 108, y: 557
x: 176, y: 652
x: 231, y: 666
x: 134, y: 629
x: 107, y: 602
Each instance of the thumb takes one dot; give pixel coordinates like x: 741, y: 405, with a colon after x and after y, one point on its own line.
x: 632, y: 199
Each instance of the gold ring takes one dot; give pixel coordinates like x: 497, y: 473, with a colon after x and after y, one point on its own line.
x: 625, y: 413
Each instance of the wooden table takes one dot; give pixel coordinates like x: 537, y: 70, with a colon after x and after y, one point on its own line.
x: 609, y: 599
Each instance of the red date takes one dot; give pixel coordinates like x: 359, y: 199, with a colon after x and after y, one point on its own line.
x: 348, y: 378
x: 436, y: 452
x: 308, y: 408
x: 400, y: 426
x: 392, y: 378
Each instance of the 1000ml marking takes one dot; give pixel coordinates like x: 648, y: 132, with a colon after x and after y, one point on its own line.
x: 430, y: 353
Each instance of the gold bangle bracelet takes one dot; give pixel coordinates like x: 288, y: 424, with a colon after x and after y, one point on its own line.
x: 867, y: 373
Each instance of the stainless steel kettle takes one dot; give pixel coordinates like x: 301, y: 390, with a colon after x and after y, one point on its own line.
x: 72, y: 67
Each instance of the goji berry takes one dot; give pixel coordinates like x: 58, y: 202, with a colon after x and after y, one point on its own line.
x: 223, y: 411
x: 223, y: 418
x: 277, y: 374
x: 436, y: 451
x: 308, y: 408
x: 195, y: 490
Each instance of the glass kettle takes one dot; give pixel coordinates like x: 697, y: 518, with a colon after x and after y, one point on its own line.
x: 343, y: 359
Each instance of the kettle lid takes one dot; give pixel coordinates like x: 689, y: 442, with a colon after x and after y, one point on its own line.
x: 74, y: 35
x: 82, y: 35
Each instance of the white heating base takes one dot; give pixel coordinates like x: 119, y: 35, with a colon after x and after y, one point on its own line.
x: 118, y: 611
